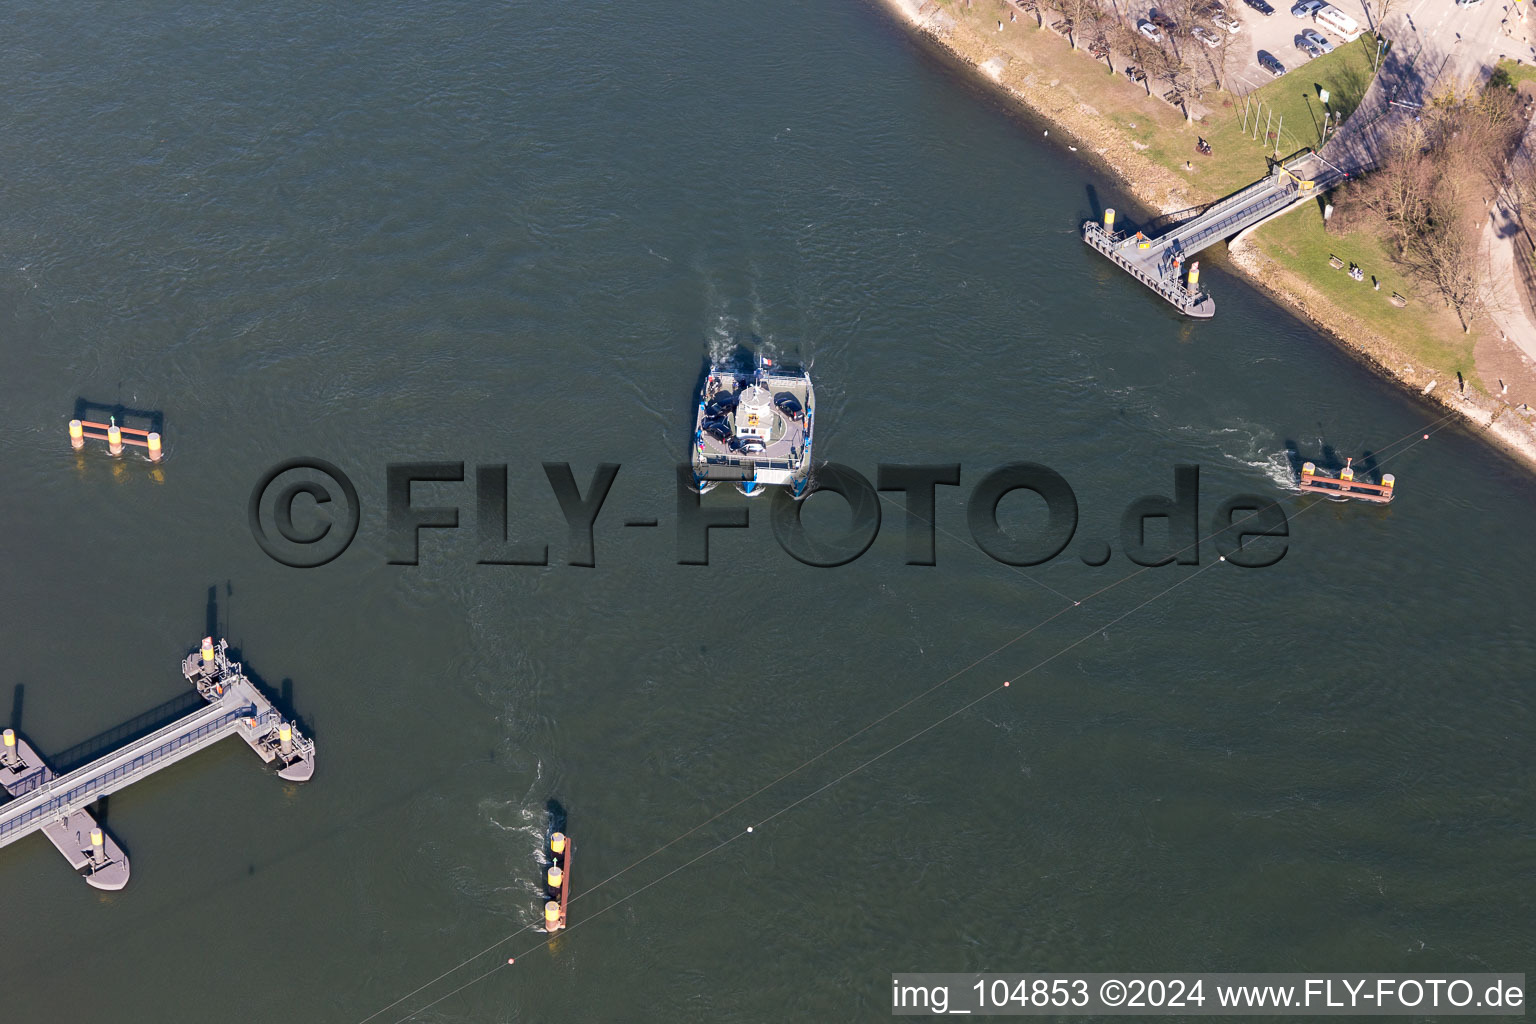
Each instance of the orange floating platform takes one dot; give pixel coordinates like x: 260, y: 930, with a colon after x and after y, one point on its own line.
x: 115, y: 436
x: 558, y: 881
x: 1345, y: 485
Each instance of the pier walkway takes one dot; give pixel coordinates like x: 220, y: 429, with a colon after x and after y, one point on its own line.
x: 1164, y: 263
x: 55, y: 804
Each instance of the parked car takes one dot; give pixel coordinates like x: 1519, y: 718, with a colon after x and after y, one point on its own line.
x: 1149, y: 30
x: 1306, y: 8
x: 1161, y: 20
x: 1222, y: 20
x: 1318, y: 39
x: 1269, y: 62
x: 1260, y: 6
x: 1206, y: 36
x: 1307, y: 46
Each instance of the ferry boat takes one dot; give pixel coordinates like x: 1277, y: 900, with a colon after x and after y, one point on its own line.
x: 754, y: 429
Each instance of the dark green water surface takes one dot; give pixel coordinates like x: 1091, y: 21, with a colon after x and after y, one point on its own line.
x: 510, y: 234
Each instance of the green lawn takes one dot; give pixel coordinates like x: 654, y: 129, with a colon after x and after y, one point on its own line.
x: 1289, y: 106
x: 1422, y: 329
x: 1517, y: 72
x: 1157, y: 129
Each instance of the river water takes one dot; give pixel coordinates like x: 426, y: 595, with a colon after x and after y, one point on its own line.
x: 424, y: 230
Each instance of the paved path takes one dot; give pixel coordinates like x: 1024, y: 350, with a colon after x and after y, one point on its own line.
x: 1503, y: 243
x: 1506, y: 241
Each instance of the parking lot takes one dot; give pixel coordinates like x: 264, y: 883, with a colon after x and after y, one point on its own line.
x: 1475, y: 35
x: 1277, y: 34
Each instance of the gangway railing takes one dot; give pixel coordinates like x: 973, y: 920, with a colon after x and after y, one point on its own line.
x: 1156, y: 262
x: 105, y: 776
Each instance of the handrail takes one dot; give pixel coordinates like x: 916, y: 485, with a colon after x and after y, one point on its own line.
x: 177, y: 726
x: 68, y: 792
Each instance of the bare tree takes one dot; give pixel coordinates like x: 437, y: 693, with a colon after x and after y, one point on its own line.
x: 1446, y: 254
x: 1398, y: 193
x: 1080, y: 15
x: 1221, y: 58
x: 1378, y: 17
x: 1128, y: 41
x: 1425, y: 193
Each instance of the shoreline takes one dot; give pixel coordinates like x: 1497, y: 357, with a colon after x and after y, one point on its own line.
x: 1160, y: 192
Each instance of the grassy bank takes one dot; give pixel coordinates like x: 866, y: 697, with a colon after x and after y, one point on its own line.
x: 1284, y: 115
x: 1517, y: 72
x: 1288, y: 112
x: 1424, y: 335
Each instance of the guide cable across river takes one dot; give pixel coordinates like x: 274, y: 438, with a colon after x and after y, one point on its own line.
x: 1433, y: 427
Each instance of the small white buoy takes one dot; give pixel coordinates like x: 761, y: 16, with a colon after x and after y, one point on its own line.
x: 749, y: 828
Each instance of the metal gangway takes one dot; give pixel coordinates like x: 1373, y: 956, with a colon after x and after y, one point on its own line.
x: 56, y: 804
x: 1165, y: 263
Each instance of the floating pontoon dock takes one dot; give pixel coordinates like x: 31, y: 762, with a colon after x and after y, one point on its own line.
x: 558, y: 881
x: 1345, y: 485
x: 55, y: 804
x: 1165, y: 263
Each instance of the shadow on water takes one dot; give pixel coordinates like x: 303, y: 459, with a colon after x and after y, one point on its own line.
x: 18, y: 697
x: 282, y: 699
x: 1331, y: 461
x: 557, y: 818
x: 135, y: 728
x: 211, y: 625
x: 145, y: 419
x: 211, y: 614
